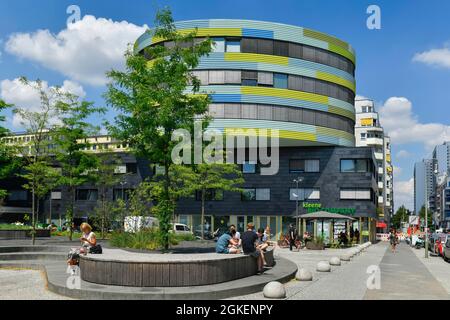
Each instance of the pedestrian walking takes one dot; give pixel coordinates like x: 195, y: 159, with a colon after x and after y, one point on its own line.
x: 393, y: 239
x: 292, y: 236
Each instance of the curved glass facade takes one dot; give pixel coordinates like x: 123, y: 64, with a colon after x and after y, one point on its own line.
x: 264, y: 75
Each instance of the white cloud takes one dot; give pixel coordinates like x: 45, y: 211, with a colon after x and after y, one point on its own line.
x: 397, y: 172
x: 434, y: 57
x: 23, y: 96
x: 83, y: 52
x: 404, y: 193
x: 403, y: 126
x: 402, y: 154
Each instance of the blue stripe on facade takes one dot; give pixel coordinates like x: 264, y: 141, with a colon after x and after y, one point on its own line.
x: 236, y: 98
x: 257, y: 33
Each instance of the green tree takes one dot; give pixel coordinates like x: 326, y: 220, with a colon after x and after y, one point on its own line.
x: 401, y: 215
x: 153, y: 101
x: 39, y: 171
x: 211, y: 180
x: 106, y: 177
x: 8, y: 162
x: 71, y: 143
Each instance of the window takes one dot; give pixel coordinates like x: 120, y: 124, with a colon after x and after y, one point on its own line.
x: 249, y: 111
x: 281, y: 48
x: 295, y: 50
x: 216, y: 77
x: 304, y: 194
x: 202, y: 76
x: 232, y: 111
x: 248, y: 195
x: 18, y: 195
x: 249, y: 78
x: 280, y: 80
x: 300, y: 165
x: 131, y: 168
x: 87, y: 194
x: 123, y: 194
x: 249, y: 45
x: 265, y: 46
x: 355, y: 194
x: 363, y: 136
x: 356, y: 165
x: 265, y: 78
x: 249, y: 167
x: 233, y: 45
x: 232, y: 77
x: 210, y: 195
x: 219, y: 45
x: 55, y: 195
x: 252, y: 194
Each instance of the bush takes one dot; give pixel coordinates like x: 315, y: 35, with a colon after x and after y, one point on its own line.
x: 13, y: 226
x: 66, y: 234
x: 146, y: 239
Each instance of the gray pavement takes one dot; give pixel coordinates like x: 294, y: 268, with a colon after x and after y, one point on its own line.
x: 405, y: 277
x: 405, y: 274
x: 437, y: 267
x: 25, y: 285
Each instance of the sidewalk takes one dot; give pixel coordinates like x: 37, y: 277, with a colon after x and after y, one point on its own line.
x: 405, y: 277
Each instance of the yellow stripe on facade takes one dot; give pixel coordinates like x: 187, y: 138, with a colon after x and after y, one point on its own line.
x: 284, y: 93
x: 255, y: 57
x: 324, y: 37
x: 335, y: 79
x: 334, y: 133
x: 206, y: 32
x: 342, y: 52
x: 342, y: 112
x: 282, y: 134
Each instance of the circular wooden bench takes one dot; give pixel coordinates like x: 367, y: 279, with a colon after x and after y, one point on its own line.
x: 124, y: 268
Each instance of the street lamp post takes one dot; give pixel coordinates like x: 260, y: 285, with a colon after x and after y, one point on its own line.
x: 297, y: 181
x: 426, y: 220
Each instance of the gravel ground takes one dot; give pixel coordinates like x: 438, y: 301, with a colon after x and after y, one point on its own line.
x: 25, y: 285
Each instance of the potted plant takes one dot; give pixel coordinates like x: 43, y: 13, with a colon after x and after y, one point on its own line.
x: 316, y: 244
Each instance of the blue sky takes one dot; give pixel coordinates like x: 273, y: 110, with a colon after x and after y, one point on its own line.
x: 404, y: 67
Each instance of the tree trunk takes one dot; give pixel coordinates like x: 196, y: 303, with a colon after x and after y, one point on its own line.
x: 203, y: 215
x: 165, y: 225
x: 71, y: 212
x: 33, y: 218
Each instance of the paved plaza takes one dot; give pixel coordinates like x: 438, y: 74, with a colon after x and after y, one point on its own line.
x: 405, y: 274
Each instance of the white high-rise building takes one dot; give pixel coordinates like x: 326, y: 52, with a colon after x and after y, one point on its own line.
x: 370, y: 133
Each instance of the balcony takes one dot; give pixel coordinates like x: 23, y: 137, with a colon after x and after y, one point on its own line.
x: 374, y: 141
x: 380, y: 185
x: 380, y: 171
x: 380, y: 200
x: 378, y: 155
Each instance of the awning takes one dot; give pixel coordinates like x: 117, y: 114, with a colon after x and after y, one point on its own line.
x: 381, y: 224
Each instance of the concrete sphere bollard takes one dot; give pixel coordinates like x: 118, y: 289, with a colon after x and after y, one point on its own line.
x: 304, y: 275
x: 346, y: 257
x: 323, y: 266
x: 274, y: 290
x: 335, y: 261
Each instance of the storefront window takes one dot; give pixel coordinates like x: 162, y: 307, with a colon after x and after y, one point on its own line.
x: 241, y: 223
x: 222, y: 223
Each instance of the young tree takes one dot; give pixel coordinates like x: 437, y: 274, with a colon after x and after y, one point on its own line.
x: 71, y: 143
x: 106, y: 177
x: 211, y: 180
x: 39, y: 172
x: 153, y: 102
